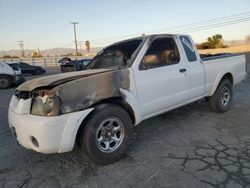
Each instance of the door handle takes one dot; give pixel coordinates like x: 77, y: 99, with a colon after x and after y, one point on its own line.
x: 182, y: 70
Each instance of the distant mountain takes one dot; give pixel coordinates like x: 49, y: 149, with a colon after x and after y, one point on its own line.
x: 15, y: 52
x: 50, y: 52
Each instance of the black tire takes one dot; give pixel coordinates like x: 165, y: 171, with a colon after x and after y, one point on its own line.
x: 90, y: 135
x: 219, y: 102
x: 5, y: 81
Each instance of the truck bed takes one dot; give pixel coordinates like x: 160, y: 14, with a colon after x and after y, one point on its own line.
x: 206, y: 57
x: 217, y: 65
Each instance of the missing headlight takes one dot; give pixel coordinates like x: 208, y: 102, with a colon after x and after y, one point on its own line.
x: 46, y: 105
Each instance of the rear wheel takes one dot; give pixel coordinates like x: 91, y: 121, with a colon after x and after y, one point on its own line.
x: 107, y: 135
x: 221, y: 101
x: 5, y: 81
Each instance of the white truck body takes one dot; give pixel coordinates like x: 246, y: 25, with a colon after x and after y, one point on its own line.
x: 150, y: 92
x: 168, y: 91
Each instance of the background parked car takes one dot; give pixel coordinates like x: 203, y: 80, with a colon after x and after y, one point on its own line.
x: 75, y: 65
x: 30, y: 69
x: 64, y: 60
x: 10, y: 75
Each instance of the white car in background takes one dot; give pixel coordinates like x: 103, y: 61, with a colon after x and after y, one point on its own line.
x: 10, y: 75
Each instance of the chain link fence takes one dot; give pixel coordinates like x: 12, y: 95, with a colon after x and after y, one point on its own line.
x: 42, y: 61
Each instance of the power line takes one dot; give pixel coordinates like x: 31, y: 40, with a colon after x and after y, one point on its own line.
x: 199, y: 23
x: 204, y: 25
x: 185, y: 27
x: 214, y: 25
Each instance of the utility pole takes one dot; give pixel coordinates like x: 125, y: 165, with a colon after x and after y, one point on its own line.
x: 21, y: 44
x: 74, y: 24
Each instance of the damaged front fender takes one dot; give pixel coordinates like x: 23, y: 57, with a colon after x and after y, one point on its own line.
x: 84, y: 92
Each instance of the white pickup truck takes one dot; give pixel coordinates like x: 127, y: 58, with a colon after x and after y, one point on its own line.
x: 125, y: 83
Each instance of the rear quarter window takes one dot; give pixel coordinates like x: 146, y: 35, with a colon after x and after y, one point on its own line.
x: 189, y: 48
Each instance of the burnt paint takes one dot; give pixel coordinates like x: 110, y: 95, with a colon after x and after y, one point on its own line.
x: 82, y: 93
x: 57, y: 79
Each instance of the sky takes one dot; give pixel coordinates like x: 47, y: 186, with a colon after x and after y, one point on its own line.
x: 46, y: 24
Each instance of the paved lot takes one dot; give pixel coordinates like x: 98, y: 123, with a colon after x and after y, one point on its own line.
x: 188, y: 147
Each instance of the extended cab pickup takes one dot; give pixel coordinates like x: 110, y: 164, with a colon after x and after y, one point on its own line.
x: 125, y: 83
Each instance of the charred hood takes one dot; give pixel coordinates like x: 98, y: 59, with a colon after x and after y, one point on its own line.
x: 80, y: 90
x: 58, y: 79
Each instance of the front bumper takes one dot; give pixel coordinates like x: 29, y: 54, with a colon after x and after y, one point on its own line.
x: 44, y: 134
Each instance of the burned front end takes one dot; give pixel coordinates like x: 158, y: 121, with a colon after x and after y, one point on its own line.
x: 72, y: 94
x: 45, y: 114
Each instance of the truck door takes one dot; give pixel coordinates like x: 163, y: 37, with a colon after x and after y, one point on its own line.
x: 162, y: 79
x: 195, y: 67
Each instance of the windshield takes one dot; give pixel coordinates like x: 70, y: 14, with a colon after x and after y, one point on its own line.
x: 116, y: 56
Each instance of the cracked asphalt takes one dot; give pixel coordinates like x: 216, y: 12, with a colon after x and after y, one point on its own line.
x: 188, y: 147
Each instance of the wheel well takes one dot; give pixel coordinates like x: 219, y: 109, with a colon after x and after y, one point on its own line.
x: 98, y: 106
x: 228, y: 76
x: 119, y: 102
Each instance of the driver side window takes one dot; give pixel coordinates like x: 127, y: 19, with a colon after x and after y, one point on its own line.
x: 162, y: 52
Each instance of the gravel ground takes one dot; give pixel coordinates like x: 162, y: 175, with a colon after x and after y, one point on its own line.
x: 187, y: 147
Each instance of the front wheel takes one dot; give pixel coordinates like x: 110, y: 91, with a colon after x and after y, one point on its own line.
x: 221, y: 101
x: 107, y: 134
x: 5, y: 81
